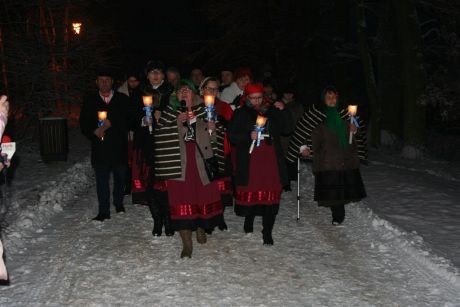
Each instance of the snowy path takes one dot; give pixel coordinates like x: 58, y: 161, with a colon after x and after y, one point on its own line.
x: 422, y: 198
x: 77, y: 262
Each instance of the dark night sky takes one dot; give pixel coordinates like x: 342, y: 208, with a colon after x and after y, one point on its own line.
x: 165, y: 30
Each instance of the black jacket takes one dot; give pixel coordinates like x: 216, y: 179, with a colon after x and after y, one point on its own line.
x: 160, y: 95
x: 278, y: 123
x: 113, y: 150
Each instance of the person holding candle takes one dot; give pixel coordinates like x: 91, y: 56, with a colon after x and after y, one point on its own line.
x: 109, y: 140
x: 209, y: 88
x: 184, y: 151
x: 261, y: 173
x: 335, y: 162
x: 146, y: 188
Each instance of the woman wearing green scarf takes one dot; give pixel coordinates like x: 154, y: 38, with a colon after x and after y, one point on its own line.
x: 335, y: 161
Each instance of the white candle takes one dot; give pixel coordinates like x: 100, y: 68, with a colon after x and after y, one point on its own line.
x: 352, y: 110
x: 260, y: 122
x: 102, y: 115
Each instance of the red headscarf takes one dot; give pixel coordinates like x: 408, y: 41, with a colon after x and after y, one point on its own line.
x: 253, y: 88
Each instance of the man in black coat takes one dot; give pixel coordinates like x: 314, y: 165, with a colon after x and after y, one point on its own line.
x: 109, y: 147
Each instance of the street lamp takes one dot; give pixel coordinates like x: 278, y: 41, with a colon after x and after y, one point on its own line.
x: 76, y: 27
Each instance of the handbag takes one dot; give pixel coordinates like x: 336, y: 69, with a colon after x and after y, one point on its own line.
x: 211, y: 165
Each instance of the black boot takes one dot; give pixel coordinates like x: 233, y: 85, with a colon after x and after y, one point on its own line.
x: 249, y: 223
x: 268, y: 221
x: 338, y: 214
x: 223, y: 226
x: 101, y: 217
x: 169, y: 231
x: 154, y: 207
x: 120, y: 209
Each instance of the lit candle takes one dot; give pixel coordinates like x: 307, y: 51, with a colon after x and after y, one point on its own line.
x: 148, y: 102
x: 209, y: 101
x: 259, y: 128
x: 261, y: 120
x: 102, y: 116
x: 352, y: 110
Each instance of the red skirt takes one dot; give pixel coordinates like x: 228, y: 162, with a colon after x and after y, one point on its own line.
x: 263, y: 192
x: 139, y: 178
x: 226, y: 192
x: 191, y: 203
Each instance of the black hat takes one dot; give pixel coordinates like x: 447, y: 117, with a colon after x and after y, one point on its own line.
x: 154, y: 65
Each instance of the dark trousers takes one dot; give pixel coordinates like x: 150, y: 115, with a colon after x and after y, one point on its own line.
x: 103, y: 172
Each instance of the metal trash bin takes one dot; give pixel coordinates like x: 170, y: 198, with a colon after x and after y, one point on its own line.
x: 54, y: 139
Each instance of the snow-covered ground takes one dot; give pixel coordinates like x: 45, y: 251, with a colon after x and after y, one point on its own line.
x: 40, y: 190
x: 370, y: 261
x: 421, y: 197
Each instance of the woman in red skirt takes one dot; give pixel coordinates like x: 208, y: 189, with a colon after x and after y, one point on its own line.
x: 184, y: 153
x: 210, y: 86
x: 260, y: 173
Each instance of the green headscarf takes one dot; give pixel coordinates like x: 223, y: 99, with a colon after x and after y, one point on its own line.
x: 173, y: 100
x: 336, y: 124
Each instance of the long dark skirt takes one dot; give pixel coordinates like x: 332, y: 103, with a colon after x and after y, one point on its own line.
x: 139, y: 178
x: 191, y: 203
x: 226, y: 191
x: 262, y: 194
x: 338, y: 187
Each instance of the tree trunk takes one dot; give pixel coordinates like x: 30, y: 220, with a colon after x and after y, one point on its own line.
x: 369, y: 74
x: 412, y: 70
x: 388, y: 75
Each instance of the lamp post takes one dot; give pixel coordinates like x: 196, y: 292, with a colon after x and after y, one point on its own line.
x: 76, y: 26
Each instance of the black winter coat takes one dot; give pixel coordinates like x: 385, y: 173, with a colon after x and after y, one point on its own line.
x: 160, y: 95
x: 113, y: 150
x: 279, y: 123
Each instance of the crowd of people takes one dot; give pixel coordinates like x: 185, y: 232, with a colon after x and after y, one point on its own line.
x: 190, y: 147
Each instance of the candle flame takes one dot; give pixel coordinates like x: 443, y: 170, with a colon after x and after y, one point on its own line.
x: 102, y: 115
x: 209, y: 100
x: 261, y: 120
x: 352, y: 110
x: 148, y: 100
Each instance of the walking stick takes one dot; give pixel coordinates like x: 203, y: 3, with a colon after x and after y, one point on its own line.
x: 298, y: 189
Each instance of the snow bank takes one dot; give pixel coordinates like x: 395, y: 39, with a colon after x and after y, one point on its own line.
x: 47, y: 199
x: 412, y: 243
